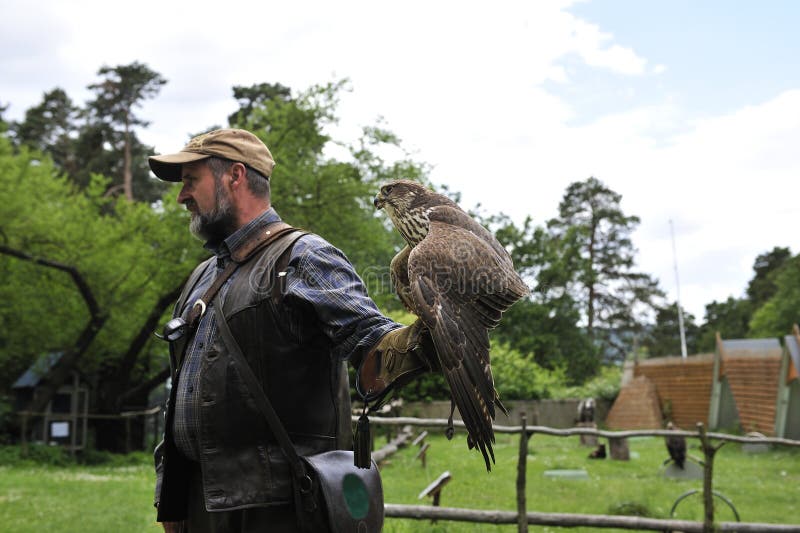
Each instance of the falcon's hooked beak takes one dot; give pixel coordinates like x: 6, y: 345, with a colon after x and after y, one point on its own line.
x: 379, y: 200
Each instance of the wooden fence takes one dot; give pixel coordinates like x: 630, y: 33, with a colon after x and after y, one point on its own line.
x: 522, y: 517
x: 156, y: 414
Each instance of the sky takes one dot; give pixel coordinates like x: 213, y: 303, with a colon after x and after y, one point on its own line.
x: 690, y: 110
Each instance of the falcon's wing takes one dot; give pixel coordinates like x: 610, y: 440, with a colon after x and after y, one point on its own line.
x: 398, y: 271
x: 676, y: 445
x: 460, y: 287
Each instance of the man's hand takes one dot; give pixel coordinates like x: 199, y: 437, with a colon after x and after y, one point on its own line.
x: 173, y: 527
x: 399, y: 357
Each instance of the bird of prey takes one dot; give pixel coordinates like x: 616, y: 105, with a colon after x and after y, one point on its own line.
x: 458, y: 279
x: 676, y: 446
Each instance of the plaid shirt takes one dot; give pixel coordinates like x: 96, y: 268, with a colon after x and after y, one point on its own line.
x: 320, y: 275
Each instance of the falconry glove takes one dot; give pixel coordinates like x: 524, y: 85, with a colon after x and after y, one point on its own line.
x: 400, y: 356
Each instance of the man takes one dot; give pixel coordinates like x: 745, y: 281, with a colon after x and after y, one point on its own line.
x: 296, y: 308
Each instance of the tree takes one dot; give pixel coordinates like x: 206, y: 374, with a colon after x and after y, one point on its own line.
x: 544, y: 327
x: 85, y: 274
x: 730, y: 318
x: 594, y: 235
x: 111, y: 113
x: 765, y: 311
x: 781, y: 311
x: 50, y: 128
x: 766, y: 267
x: 257, y: 96
x: 665, y: 339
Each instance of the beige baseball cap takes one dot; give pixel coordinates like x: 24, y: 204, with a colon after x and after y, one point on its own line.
x: 237, y: 145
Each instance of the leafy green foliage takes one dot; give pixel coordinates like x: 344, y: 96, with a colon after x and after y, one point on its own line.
x: 604, y: 385
x: 128, y: 252
x: 782, y: 310
x: 520, y: 378
x: 730, y: 318
x: 766, y: 268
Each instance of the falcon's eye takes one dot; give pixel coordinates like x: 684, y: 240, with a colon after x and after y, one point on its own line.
x: 387, y: 189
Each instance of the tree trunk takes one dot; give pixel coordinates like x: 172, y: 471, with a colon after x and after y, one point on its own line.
x: 121, y: 380
x: 127, y: 173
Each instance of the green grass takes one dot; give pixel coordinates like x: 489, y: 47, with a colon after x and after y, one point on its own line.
x: 77, y: 499
x: 764, y: 487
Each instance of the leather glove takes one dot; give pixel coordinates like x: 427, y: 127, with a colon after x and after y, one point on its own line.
x: 400, y: 356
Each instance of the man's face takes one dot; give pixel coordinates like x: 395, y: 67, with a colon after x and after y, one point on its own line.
x: 213, y: 212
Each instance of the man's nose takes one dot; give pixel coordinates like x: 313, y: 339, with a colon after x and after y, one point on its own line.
x: 183, y: 195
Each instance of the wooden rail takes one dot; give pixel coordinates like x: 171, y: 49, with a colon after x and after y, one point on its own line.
x: 421, y: 512
x: 522, y: 518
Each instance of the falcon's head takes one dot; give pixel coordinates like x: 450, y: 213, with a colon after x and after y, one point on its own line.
x: 407, y: 203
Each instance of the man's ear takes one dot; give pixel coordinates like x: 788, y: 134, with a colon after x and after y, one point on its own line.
x: 238, y: 174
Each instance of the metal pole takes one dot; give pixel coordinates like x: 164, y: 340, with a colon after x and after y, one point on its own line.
x: 678, y: 291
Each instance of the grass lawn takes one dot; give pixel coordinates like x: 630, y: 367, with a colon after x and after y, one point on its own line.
x: 764, y: 487
x: 77, y: 499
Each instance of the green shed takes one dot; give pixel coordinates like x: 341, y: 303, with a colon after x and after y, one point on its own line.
x: 787, y: 419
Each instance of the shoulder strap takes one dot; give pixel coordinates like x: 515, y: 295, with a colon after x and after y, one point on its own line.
x: 247, y: 251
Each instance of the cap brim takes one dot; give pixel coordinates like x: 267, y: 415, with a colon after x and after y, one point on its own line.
x: 168, y: 167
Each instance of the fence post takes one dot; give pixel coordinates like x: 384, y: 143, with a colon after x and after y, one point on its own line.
x: 708, y: 477
x: 522, y: 513
x: 127, y: 434
x: 24, y: 435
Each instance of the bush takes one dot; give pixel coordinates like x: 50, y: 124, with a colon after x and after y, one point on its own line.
x: 605, y: 385
x: 44, y: 455
x: 36, y: 454
x: 519, y: 378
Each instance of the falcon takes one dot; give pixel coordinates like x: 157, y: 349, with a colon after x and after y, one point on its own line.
x: 458, y: 279
x: 676, y: 446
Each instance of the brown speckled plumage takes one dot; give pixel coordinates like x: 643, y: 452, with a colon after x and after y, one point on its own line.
x: 458, y: 279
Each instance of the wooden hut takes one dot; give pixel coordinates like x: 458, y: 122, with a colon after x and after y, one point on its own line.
x: 64, y: 420
x: 745, y: 387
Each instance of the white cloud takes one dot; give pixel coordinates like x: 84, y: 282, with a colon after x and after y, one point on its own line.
x: 597, y: 49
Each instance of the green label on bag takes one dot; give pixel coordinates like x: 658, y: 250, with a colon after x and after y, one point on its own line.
x: 355, y: 496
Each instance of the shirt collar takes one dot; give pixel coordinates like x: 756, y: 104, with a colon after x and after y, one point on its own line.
x: 243, y: 234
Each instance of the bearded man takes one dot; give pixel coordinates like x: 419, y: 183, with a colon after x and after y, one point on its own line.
x: 293, y: 305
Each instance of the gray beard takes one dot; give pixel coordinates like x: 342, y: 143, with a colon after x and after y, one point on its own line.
x: 215, y: 226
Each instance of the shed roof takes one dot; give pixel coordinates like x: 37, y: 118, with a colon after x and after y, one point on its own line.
x: 39, y: 369
x: 751, y: 347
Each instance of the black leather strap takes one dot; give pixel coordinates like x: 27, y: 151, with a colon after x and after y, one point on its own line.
x: 248, y: 250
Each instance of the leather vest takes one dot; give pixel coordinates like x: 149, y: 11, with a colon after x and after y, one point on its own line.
x: 242, y: 464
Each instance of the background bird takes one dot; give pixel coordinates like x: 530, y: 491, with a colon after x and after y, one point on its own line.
x: 458, y: 279
x: 676, y: 446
